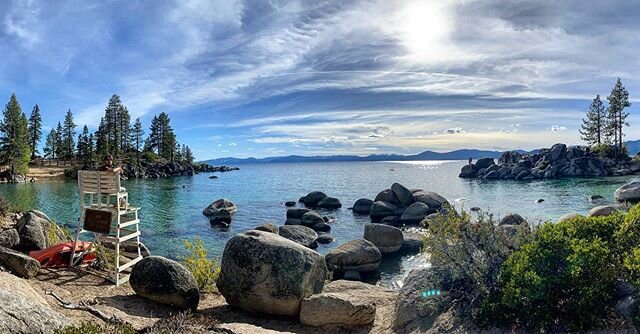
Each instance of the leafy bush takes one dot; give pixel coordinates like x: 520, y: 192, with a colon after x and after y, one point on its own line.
x: 609, y: 151
x: 468, y: 255
x: 93, y: 328
x: 563, y: 279
x: 149, y: 156
x: 204, y: 270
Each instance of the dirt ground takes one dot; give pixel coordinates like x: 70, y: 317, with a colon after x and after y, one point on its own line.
x: 41, y: 173
x: 76, y: 285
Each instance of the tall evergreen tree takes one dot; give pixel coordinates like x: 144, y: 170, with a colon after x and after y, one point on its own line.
x: 60, y: 150
x: 153, y: 141
x: 14, y: 141
x: 68, y: 134
x: 101, y: 140
x: 91, y: 149
x: 124, y: 123
x: 188, y: 155
x: 594, y: 126
x: 51, y: 145
x: 84, y: 153
x: 35, y: 130
x: 137, y: 136
x: 617, y: 117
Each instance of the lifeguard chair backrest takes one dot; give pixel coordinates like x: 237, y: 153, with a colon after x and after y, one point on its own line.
x: 97, y: 186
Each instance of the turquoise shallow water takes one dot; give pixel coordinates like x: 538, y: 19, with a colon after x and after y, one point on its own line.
x: 172, y: 208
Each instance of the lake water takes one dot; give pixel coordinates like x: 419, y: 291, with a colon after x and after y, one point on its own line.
x: 172, y: 208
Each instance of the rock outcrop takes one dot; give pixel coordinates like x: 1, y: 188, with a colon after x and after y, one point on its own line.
x: 165, y: 281
x: 266, y: 273
x: 21, y: 312
x: 548, y: 163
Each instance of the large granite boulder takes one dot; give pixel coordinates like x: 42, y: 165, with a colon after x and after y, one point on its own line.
x: 18, y: 263
x: 415, y: 213
x: 166, y: 282
x: 468, y: 171
x: 346, y: 303
x: 387, y: 238
x: 312, y: 198
x: 329, y: 203
x: 301, y: 234
x: 556, y: 152
x: 415, y: 308
x: 484, y: 163
x: 602, y: 211
x: 434, y: 200
x: 20, y: 313
x: 388, y: 196
x: 265, y: 273
x: 512, y: 219
x: 32, y: 232
x: 9, y: 238
x: 629, y: 192
x: 362, y: 206
x: 360, y: 255
x: 220, y: 204
x: 404, y: 195
x: 379, y: 210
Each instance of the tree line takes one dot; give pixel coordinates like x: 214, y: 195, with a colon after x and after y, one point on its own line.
x: 603, y: 127
x: 20, y: 137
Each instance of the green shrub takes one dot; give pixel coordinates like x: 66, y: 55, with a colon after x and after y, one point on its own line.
x: 609, y: 151
x: 468, y: 255
x: 149, y: 156
x: 205, y: 271
x: 93, y: 328
x: 563, y: 279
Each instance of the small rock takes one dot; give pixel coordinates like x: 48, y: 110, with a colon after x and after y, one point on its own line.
x: 321, y: 227
x: 602, y: 211
x: 362, y: 206
x: 213, y: 177
x: 289, y: 204
x: 311, y: 218
x: 360, y: 255
x: 300, y: 234
x: 329, y: 203
x: 166, y: 282
x: 312, y: 198
x: 9, y: 238
x: 594, y: 198
x: 220, y: 204
x: 475, y: 209
x: 540, y: 200
x: 18, y: 263
x: 325, y: 238
x: 387, y: 238
x: 296, y: 213
x: 268, y: 227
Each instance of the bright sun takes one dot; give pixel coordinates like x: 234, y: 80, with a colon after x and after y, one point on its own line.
x: 424, y: 29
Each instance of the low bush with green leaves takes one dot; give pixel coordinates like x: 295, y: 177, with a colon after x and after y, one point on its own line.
x: 88, y: 327
x: 563, y: 278
x: 205, y: 270
x: 468, y: 253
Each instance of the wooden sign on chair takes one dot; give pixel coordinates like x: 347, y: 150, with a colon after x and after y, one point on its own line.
x: 98, y: 221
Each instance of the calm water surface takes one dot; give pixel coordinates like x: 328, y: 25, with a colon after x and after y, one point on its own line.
x: 172, y: 208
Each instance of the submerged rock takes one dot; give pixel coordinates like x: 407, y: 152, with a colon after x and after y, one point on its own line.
x: 265, y: 273
x: 312, y: 198
x: 329, y: 203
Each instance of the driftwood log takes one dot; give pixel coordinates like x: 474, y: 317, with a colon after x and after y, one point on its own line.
x: 82, y: 306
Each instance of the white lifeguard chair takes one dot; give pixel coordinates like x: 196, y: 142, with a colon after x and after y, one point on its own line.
x: 105, y: 212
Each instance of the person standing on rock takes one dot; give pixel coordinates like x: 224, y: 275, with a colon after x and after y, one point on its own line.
x: 470, y: 160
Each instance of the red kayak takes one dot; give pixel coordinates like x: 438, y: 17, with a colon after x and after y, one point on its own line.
x: 59, y: 255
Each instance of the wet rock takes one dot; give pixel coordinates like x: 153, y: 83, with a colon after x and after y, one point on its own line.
x: 321, y: 227
x: 289, y: 204
x: 311, y: 218
x: 387, y: 238
x: 312, y: 198
x: 325, y: 238
x: 296, y: 213
x: 329, y: 203
x: 220, y: 204
x: 362, y: 206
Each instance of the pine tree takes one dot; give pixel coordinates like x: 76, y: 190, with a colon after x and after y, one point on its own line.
x: 124, y: 123
x: 617, y: 118
x: 83, y: 146
x: 69, y: 131
x: 60, y: 152
x: 153, y: 141
x: 137, y: 141
x: 188, y: 155
x: 14, y: 142
x: 51, y: 145
x: 35, y: 130
x: 593, y: 127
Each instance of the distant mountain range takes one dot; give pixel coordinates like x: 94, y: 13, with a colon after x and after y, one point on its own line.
x: 464, y: 154
x: 426, y: 155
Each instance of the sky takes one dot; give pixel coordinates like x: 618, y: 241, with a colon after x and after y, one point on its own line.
x: 278, y: 77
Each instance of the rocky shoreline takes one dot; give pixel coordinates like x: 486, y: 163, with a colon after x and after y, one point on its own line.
x: 549, y: 163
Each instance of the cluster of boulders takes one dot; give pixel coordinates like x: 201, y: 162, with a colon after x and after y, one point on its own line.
x: 318, y: 199
x: 548, y: 163
x: 262, y: 272
x: 220, y: 212
x: 399, y: 206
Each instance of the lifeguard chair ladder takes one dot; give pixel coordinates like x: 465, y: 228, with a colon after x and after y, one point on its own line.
x: 100, y: 190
